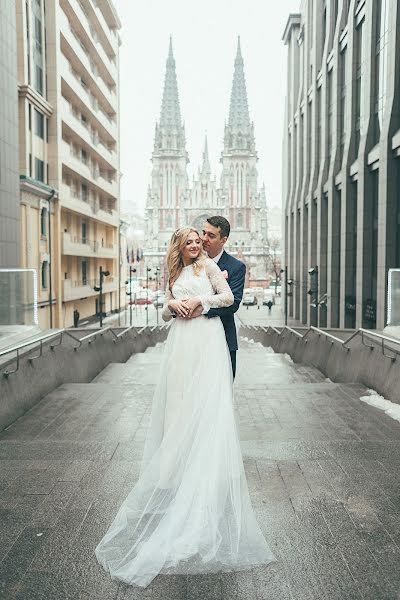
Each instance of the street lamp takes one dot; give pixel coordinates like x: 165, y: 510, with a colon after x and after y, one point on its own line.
x: 288, y: 284
x: 313, y: 272
x: 99, y: 288
x: 131, y: 270
x: 147, y: 295
x: 158, y: 287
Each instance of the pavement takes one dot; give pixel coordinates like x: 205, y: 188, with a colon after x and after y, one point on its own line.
x: 322, y: 468
x: 248, y: 315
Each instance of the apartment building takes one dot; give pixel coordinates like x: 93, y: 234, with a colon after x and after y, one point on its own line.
x: 68, y: 81
x: 342, y: 160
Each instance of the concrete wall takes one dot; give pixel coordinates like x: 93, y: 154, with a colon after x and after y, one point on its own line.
x: 361, y: 364
x: 34, y: 379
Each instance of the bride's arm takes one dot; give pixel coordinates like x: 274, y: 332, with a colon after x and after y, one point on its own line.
x: 223, y: 295
x: 166, y: 312
x: 173, y: 307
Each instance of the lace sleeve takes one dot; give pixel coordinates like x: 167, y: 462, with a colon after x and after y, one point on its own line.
x: 166, y: 313
x: 223, y: 295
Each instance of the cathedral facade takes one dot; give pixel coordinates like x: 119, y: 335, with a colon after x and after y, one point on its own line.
x: 173, y: 201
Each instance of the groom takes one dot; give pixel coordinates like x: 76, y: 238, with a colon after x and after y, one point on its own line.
x: 216, y: 231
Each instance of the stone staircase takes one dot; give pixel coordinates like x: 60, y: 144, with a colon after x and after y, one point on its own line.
x: 322, y: 469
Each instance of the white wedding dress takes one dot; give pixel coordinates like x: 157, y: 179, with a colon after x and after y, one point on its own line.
x: 190, y: 510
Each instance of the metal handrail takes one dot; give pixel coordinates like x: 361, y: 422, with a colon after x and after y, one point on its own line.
x: 30, y: 343
x: 61, y: 333
x: 343, y: 343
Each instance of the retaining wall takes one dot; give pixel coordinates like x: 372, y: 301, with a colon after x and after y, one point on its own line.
x: 34, y: 379
x: 363, y: 363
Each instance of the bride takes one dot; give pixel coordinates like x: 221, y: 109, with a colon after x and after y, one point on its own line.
x: 190, y: 510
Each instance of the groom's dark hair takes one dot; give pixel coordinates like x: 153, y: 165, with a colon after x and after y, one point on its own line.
x: 222, y: 223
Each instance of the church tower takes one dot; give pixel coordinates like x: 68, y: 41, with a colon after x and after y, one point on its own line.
x: 204, y: 200
x: 168, y: 191
x: 245, y: 205
x: 239, y: 163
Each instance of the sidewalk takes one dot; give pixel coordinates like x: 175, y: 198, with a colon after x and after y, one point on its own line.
x: 322, y: 469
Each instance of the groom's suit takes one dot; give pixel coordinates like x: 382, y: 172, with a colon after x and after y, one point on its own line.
x: 236, y: 274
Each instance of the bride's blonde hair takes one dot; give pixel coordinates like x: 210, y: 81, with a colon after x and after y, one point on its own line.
x: 175, y: 262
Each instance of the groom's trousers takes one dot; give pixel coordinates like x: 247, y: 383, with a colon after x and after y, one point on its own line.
x: 233, y: 360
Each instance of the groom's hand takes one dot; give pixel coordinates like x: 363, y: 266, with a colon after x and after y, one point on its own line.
x: 197, y: 312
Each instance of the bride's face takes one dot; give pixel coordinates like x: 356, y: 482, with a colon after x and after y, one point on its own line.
x: 192, y: 248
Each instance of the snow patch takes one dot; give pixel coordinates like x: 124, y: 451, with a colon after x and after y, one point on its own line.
x: 390, y: 408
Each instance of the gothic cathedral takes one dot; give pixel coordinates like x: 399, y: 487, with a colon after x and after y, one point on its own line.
x: 172, y: 202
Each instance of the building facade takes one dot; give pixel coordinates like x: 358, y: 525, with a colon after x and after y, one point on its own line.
x: 173, y: 202
x: 342, y: 160
x: 9, y: 180
x: 68, y: 84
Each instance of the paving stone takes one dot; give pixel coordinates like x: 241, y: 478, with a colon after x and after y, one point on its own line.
x: 323, y: 471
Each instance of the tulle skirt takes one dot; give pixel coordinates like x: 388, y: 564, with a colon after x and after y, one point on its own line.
x: 190, y: 510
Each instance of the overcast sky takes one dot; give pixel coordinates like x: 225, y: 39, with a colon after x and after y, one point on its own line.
x: 204, y: 40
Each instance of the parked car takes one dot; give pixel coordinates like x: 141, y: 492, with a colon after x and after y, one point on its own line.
x: 268, y: 298
x: 142, y: 297
x: 249, y: 300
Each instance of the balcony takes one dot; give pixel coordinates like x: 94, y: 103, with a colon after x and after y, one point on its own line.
x: 75, y: 246
x: 69, y: 199
x: 82, y: 21
x: 75, y: 289
x: 72, y: 86
x: 78, y: 55
x: 91, y: 138
x: 87, y: 171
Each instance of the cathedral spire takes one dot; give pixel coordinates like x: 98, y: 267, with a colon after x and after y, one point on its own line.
x: 206, y: 169
x: 239, y: 111
x: 170, y: 118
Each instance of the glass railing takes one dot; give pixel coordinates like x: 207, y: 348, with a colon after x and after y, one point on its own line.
x: 18, y: 305
x: 393, y: 314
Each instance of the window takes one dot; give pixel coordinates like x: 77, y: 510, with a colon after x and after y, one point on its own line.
x: 84, y: 192
x: 358, y: 84
x: 39, y: 124
x: 39, y: 169
x: 239, y: 220
x: 342, y: 102
x: 30, y: 116
x: 381, y: 66
x: 38, y: 35
x: 43, y: 222
x: 330, y: 113
x: 30, y: 165
x: 28, y: 56
x: 84, y: 156
x: 44, y: 278
x: 83, y: 229
x: 39, y: 79
x: 318, y: 142
x: 84, y: 272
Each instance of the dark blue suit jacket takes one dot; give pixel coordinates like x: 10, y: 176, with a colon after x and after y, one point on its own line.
x: 236, y: 275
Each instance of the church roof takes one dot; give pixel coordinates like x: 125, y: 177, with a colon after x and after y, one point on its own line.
x: 239, y: 110
x: 170, y: 117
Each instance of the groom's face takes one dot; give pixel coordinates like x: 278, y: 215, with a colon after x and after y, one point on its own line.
x: 213, y: 243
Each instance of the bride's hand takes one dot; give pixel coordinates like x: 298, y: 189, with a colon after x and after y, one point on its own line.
x: 191, y: 304
x: 179, y: 307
